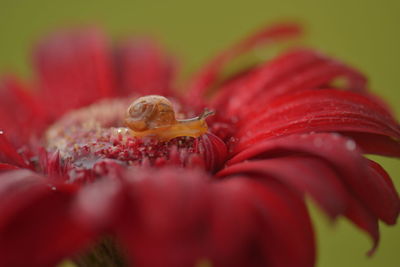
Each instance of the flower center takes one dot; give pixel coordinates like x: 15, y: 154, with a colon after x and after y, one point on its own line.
x: 86, y: 137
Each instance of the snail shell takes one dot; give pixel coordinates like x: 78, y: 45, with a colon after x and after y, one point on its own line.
x: 150, y: 112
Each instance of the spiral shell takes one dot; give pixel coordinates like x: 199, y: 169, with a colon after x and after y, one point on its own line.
x: 150, y: 112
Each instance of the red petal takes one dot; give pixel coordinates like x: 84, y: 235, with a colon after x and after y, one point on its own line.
x: 7, y: 167
x: 343, y: 155
x: 319, y: 74
x: 323, y: 110
x: 384, y: 181
x: 75, y: 69
x: 179, y: 234
x: 99, y: 204
x: 211, y: 72
x: 313, y: 176
x: 305, y: 174
x: 213, y: 149
x: 233, y: 241
x: 35, y: 221
x: 260, y: 224
x: 20, y: 113
x: 376, y: 144
x: 293, y: 71
x: 363, y: 218
x: 144, y: 68
x: 246, y: 87
x: 9, y: 154
x: 166, y: 216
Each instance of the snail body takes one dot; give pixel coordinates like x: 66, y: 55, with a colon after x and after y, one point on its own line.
x: 154, y: 116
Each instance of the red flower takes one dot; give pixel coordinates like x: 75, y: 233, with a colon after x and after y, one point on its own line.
x: 73, y: 177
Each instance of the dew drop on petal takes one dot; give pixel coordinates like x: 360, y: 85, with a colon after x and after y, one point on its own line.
x: 350, y: 145
x: 335, y: 136
x: 52, y: 187
x: 318, y: 142
x: 304, y: 136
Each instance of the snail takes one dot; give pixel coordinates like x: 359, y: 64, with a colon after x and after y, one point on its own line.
x: 154, y: 116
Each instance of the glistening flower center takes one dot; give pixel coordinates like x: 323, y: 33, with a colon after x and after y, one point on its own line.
x: 139, y: 135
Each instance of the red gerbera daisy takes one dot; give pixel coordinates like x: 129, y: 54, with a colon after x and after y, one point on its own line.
x: 89, y: 176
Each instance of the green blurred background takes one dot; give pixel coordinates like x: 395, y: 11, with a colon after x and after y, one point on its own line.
x: 365, y: 34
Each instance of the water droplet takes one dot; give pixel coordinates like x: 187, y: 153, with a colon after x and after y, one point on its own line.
x: 335, y: 136
x: 350, y: 145
x: 318, y: 142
